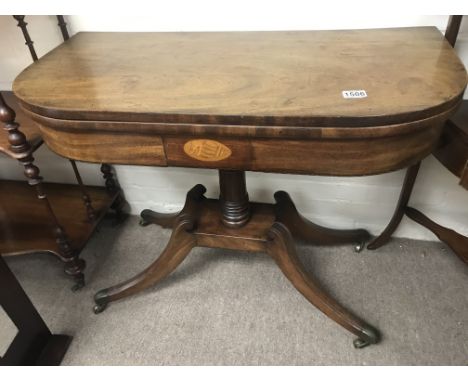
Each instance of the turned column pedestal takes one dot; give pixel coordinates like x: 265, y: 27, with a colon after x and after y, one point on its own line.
x: 235, y: 223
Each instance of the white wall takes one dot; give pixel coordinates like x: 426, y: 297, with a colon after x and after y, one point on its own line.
x: 366, y: 202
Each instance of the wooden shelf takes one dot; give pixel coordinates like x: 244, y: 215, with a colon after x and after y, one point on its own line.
x: 26, y: 226
x: 27, y: 126
x: 453, y: 149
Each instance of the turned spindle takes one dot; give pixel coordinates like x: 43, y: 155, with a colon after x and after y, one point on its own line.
x: 20, y: 145
x: 233, y: 198
x: 23, y: 25
x: 63, y: 27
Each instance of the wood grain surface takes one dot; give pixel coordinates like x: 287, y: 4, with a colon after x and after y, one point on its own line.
x: 260, y: 78
x: 25, y: 226
x: 272, y: 101
x: 369, y: 151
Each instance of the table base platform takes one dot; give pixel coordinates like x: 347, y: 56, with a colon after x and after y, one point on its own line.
x: 232, y: 222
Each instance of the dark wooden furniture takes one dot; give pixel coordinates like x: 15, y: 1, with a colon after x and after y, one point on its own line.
x: 34, y: 344
x: 65, y: 216
x: 452, y: 152
x: 258, y: 101
x: 25, y: 223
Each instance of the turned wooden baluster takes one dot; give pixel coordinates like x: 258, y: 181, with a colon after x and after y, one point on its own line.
x: 234, y: 198
x: 63, y: 27
x: 19, y: 145
x: 112, y: 187
x: 108, y: 176
x: 22, y: 24
x: 90, y: 212
x: 84, y: 195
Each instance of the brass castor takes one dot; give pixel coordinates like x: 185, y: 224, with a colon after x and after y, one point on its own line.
x: 101, y: 300
x: 99, y: 308
x: 143, y: 222
x: 369, y: 336
x: 359, y: 247
x: 359, y: 343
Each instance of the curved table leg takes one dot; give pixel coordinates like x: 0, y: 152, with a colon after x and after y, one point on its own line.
x: 167, y: 220
x: 281, y: 248
x: 305, y: 230
x: 457, y: 243
x: 405, y: 194
x: 148, y: 217
x: 178, y: 247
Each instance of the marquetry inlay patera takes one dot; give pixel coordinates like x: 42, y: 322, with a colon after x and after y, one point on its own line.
x: 207, y: 150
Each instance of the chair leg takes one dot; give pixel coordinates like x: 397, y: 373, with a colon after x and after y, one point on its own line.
x: 407, y: 188
x: 282, y: 249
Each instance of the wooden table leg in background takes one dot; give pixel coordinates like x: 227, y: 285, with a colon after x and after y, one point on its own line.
x: 34, y: 344
x: 405, y: 194
x: 457, y: 243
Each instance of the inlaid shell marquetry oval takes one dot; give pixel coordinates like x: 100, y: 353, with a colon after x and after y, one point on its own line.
x: 207, y: 150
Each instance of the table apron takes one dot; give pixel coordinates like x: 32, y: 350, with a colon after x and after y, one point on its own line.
x: 339, y: 157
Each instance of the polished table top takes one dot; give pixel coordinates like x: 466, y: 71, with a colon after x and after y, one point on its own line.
x: 246, y: 77
x: 157, y: 88
x: 260, y: 101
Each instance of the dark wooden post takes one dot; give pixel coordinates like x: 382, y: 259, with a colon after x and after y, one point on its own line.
x: 90, y: 212
x: 108, y: 176
x: 63, y: 27
x: 112, y: 187
x: 34, y: 344
x: 453, y: 26
x: 233, y: 198
x: 22, y: 24
x: 74, y: 266
x: 19, y: 145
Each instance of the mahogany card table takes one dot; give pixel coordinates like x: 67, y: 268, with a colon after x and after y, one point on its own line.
x: 336, y: 103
